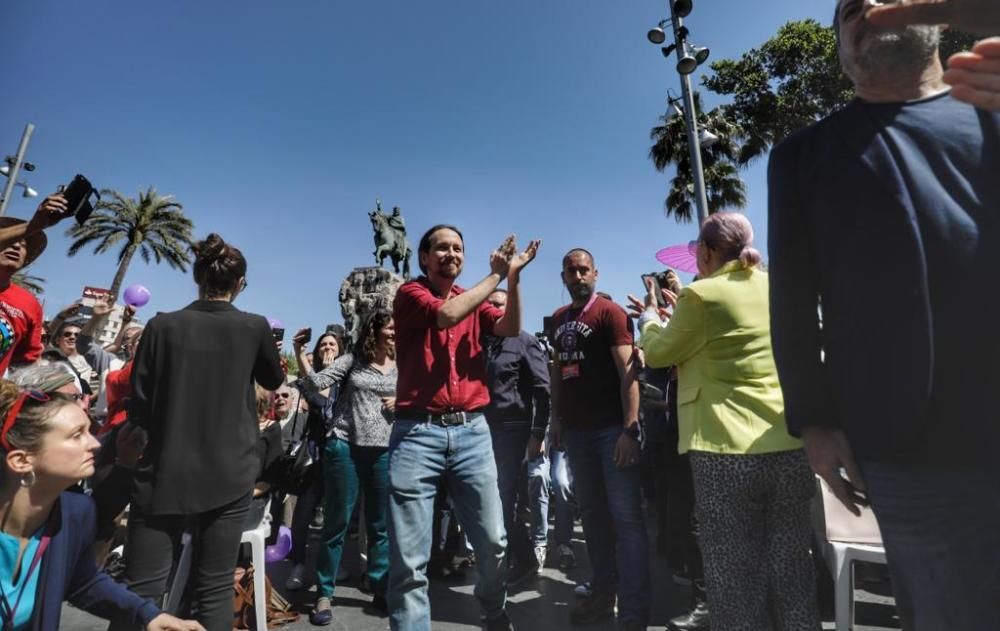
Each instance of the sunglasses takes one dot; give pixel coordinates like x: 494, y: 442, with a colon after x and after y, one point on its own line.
x: 283, y: 395
x: 11, y: 418
x: 68, y: 334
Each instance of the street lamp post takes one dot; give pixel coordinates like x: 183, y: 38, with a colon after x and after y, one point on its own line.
x: 688, y: 59
x: 16, y: 167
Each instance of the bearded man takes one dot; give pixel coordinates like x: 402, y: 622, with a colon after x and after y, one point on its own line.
x: 884, y: 223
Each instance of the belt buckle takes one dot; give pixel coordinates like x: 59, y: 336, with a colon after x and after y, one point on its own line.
x: 453, y: 418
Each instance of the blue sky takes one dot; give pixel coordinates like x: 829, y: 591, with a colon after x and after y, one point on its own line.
x: 278, y: 124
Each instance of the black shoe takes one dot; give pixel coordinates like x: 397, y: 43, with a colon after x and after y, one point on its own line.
x: 522, y: 572
x: 597, y: 607
x: 379, y: 604
x: 501, y: 623
x: 695, y: 620
x: 322, y: 615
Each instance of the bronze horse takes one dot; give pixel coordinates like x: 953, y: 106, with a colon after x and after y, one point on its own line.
x: 389, y: 242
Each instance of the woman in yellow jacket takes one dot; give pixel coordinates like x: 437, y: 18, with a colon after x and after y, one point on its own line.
x: 752, y: 482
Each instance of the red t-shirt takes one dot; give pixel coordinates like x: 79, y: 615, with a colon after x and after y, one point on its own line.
x: 440, y: 370
x: 589, y: 391
x: 20, y: 327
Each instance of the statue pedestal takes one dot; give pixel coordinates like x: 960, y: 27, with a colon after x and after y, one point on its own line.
x: 365, y: 289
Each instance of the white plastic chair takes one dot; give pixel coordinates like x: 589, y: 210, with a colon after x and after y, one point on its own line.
x: 256, y: 538
x: 847, y: 538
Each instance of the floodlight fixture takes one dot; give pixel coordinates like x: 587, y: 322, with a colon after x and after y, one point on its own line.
x: 28, y: 191
x: 657, y: 35
x: 706, y: 138
x: 682, y: 8
x: 668, y: 50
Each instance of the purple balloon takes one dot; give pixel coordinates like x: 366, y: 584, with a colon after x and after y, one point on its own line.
x: 136, y: 295
x: 275, y: 323
x: 281, y: 547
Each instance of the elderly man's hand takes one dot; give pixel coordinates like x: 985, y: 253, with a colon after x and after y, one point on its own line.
x: 975, y: 75
x: 981, y: 17
x: 829, y: 452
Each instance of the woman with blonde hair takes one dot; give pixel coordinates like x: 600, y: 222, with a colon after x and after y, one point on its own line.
x: 752, y: 482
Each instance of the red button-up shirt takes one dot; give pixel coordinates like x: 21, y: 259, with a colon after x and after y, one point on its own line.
x: 440, y: 370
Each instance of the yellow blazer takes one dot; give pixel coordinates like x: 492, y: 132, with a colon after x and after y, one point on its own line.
x: 728, y: 397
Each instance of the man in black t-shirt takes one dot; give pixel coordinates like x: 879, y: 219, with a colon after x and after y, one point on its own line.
x: 597, y: 420
x: 886, y: 214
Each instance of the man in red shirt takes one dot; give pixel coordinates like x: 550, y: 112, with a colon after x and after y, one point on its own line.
x: 596, y: 398
x: 440, y: 431
x: 20, y: 313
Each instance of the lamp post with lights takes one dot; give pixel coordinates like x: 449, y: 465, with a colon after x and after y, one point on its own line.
x: 689, y: 57
x: 12, y: 167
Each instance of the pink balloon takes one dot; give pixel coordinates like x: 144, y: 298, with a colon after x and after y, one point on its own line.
x: 136, y: 295
x: 281, y: 547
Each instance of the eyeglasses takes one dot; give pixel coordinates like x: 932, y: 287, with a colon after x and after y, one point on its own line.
x: 69, y: 334
x: 283, y: 395
x: 15, y: 409
x: 693, y: 247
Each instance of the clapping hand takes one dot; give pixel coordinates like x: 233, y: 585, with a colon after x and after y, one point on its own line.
x: 520, y: 261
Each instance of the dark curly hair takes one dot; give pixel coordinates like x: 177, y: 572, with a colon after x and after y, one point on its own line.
x: 364, y: 348
x: 218, y: 266
x: 317, y: 360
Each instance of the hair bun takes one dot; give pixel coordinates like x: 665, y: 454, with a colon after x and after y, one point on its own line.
x: 211, y: 248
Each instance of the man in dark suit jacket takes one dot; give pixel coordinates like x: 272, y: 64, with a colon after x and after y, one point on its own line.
x: 884, y: 220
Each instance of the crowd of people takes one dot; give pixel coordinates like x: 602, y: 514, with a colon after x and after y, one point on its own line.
x: 858, y: 358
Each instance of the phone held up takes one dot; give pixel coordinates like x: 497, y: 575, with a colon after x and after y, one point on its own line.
x: 81, y: 197
x: 279, y: 334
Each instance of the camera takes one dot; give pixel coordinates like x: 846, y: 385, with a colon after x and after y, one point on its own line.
x: 81, y: 197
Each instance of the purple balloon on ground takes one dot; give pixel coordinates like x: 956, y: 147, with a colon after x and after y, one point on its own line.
x: 136, y: 295
x: 281, y: 547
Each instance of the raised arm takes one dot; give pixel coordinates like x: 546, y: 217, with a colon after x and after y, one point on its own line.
x: 510, y: 324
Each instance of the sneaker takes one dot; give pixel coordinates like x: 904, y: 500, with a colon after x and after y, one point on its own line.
x: 295, y: 579
x: 522, y: 572
x: 567, y: 559
x: 541, y: 553
x: 584, y: 590
x: 501, y: 623
x: 598, y: 607
x: 322, y: 613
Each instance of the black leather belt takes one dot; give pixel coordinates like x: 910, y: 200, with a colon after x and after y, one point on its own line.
x: 444, y: 419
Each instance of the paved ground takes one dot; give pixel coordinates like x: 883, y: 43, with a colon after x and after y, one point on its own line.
x: 541, y: 605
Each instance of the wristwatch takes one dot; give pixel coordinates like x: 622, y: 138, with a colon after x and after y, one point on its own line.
x: 634, y: 430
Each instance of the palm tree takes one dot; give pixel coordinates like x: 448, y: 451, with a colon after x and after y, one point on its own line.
x: 723, y: 185
x: 151, y: 224
x: 34, y: 284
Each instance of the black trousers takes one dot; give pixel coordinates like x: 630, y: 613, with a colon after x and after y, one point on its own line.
x: 154, y: 542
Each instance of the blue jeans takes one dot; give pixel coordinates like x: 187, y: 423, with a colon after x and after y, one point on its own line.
x: 538, y: 499
x: 509, y: 443
x: 420, y: 456
x: 346, y: 469
x: 941, y: 532
x: 561, y: 482
x: 613, y: 523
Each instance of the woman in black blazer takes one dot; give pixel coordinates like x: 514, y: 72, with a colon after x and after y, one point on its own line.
x: 193, y: 393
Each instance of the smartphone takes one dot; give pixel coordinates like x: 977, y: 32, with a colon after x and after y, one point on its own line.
x: 660, y: 301
x: 307, y: 336
x: 279, y: 334
x: 81, y: 196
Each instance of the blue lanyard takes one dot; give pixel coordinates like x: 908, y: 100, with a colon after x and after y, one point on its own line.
x: 6, y: 610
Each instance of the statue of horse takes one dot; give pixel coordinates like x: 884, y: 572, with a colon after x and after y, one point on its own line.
x: 390, y: 242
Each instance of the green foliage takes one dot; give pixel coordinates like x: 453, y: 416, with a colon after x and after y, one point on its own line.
x: 152, y: 225
x: 34, y: 284
x: 723, y: 186
x: 793, y: 80
x: 293, y: 365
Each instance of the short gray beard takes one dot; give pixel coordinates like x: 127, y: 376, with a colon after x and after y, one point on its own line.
x: 892, y: 55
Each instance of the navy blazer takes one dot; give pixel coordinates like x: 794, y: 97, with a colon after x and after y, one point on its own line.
x: 68, y: 572
x: 843, y: 233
